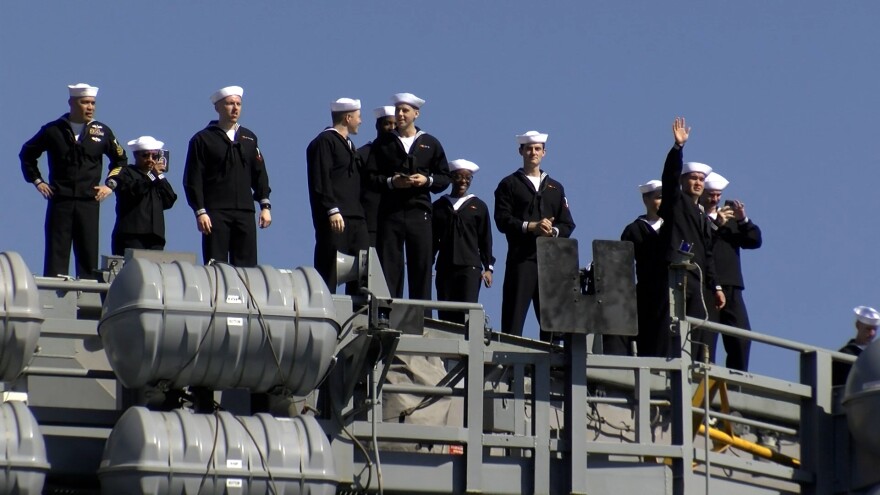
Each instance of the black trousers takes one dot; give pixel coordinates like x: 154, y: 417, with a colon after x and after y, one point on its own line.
x: 411, y: 230
x: 75, y: 221
x: 120, y: 242
x: 457, y: 283
x: 233, y: 238
x: 520, y: 288
x: 352, y: 239
x: 734, y: 314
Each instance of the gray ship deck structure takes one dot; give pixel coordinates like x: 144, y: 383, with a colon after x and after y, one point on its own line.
x: 170, y: 377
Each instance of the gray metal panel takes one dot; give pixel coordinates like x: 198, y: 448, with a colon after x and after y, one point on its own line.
x: 219, y: 326
x: 613, y: 308
x: 23, y: 463
x: 20, y: 315
x: 630, y: 479
x: 562, y: 304
x: 175, y: 452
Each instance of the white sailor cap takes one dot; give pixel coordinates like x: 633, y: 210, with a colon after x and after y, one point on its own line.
x: 696, y: 167
x: 148, y: 143
x: 531, y: 137
x: 867, y: 315
x: 650, y: 186
x: 408, y: 98
x: 227, y: 91
x: 81, y: 89
x: 462, y: 164
x: 715, y: 182
x: 386, y: 111
x: 345, y: 105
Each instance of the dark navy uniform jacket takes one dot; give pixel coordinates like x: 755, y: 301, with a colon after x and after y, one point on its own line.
x: 224, y: 174
x: 334, y: 178
x: 75, y: 166
x: 388, y: 158
x: 517, y: 201
x: 683, y: 220
x: 463, y: 237
x: 729, y: 239
x: 141, y: 200
x: 650, y: 254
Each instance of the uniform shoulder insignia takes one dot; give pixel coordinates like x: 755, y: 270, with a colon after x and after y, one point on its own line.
x: 565, y: 202
x: 259, y: 155
x: 114, y: 172
x: 119, y: 151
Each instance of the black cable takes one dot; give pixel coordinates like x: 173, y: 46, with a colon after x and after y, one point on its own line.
x: 263, y: 460
x: 215, y: 289
x: 262, y: 321
x: 335, y: 414
x: 213, y: 451
x: 349, y: 320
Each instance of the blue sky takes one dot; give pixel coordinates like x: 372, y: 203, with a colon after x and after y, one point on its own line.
x: 782, y: 97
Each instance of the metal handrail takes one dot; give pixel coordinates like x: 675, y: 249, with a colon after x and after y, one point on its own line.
x: 766, y: 339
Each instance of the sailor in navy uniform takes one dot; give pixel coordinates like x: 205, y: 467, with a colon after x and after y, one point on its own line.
x: 462, y: 242
x: 370, y: 196
x: 75, y: 145
x: 652, y: 280
x: 407, y: 165
x: 223, y: 177
x: 732, y: 230
x: 335, y: 190
x: 867, y: 321
x: 142, y: 196
x: 685, y: 222
x: 528, y: 204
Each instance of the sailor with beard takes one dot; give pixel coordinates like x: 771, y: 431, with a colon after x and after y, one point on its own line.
x: 75, y: 145
x: 462, y: 241
x: 223, y: 177
x: 732, y: 231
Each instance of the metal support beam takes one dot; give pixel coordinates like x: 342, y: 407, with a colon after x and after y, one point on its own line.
x: 576, y: 412
x: 817, y: 429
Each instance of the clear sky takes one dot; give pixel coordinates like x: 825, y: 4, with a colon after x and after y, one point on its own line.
x: 782, y: 97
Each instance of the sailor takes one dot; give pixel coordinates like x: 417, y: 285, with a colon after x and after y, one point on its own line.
x: 335, y: 190
x: 652, y: 279
x: 75, y: 145
x: 385, y: 122
x: 407, y: 165
x: 462, y: 241
x: 142, y: 196
x: 686, y: 228
x: 528, y: 204
x: 223, y: 177
x: 867, y: 321
x: 733, y: 230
